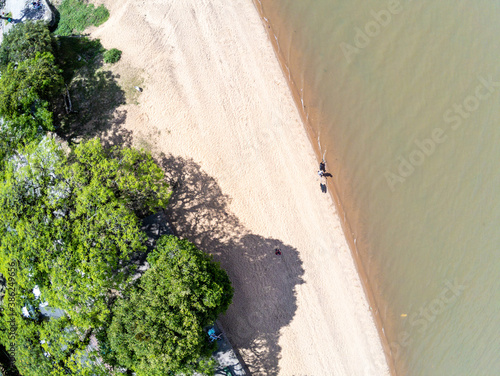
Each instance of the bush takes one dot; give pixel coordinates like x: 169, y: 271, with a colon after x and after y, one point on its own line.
x: 112, y: 56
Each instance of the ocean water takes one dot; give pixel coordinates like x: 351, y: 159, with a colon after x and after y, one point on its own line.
x: 403, y: 98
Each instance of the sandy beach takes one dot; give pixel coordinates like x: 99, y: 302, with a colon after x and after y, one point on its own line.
x: 217, y: 111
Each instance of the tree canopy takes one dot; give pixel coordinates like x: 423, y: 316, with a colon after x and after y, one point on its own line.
x: 157, y: 329
x: 24, y: 41
x: 54, y: 347
x: 27, y: 86
x: 30, y: 82
x: 70, y: 222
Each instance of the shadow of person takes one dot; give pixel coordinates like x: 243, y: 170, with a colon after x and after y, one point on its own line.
x: 12, y: 20
x: 32, y: 13
x: 327, y: 175
x: 265, y: 284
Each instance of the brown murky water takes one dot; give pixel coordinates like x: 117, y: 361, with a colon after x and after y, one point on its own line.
x: 404, y: 99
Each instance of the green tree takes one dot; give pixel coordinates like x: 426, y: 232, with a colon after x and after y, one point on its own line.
x: 158, y: 328
x: 29, y: 84
x: 24, y: 41
x: 21, y: 129
x: 69, y: 221
x: 26, y: 92
x: 27, y: 87
x: 43, y: 347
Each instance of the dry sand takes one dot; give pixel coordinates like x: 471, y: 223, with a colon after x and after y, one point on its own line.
x: 216, y: 103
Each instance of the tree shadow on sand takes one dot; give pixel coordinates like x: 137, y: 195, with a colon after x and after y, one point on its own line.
x: 94, y: 93
x: 265, y: 284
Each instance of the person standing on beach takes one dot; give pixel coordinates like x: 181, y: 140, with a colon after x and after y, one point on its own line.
x: 322, y: 169
x: 277, y: 252
x: 323, y: 175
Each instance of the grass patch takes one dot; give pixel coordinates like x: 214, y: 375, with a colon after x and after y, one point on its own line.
x: 75, y: 16
x: 112, y: 56
x: 128, y: 80
x: 129, y: 84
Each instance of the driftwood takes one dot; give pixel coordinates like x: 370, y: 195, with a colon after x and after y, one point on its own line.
x: 67, y: 102
x: 69, y: 99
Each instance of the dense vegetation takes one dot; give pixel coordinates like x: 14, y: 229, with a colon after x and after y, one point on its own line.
x: 157, y: 329
x: 24, y: 41
x: 76, y: 16
x: 70, y: 223
x: 29, y: 85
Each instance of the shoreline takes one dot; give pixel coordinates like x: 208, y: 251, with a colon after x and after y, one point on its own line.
x: 216, y: 103
x: 333, y: 191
